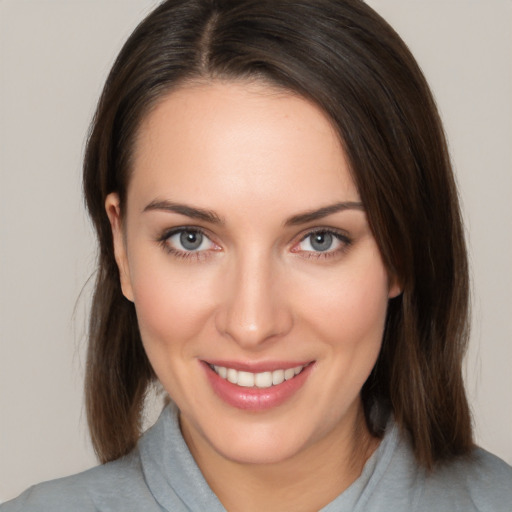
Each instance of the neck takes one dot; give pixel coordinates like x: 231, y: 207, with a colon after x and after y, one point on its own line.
x: 305, y: 482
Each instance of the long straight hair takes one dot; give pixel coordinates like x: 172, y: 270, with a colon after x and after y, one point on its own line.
x: 345, y: 58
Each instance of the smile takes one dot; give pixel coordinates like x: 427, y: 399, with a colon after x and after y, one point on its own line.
x: 259, y: 380
x: 268, y: 385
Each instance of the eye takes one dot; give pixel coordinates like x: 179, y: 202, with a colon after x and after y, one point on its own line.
x: 187, y: 242
x: 322, y: 242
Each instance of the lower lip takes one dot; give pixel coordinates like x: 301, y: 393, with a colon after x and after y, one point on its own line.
x: 256, y: 399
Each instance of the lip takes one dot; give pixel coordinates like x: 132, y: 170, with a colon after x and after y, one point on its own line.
x: 256, y: 399
x: 257, y: 367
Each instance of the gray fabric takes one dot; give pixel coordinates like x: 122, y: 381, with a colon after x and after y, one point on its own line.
x: 161, y: 475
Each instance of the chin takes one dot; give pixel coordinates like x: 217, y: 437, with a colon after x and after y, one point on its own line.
x: 260, y: 449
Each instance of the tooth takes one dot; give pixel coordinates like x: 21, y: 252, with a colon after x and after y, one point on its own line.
x: 260, y: 380
x: 246, y: 379
x: 277, y: 377
x: 289, y: 374
x: 263, y: 380
x: 232, y: 376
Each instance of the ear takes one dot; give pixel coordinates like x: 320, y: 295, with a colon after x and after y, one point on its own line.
x: 395, y: 287
x: 112, y: 206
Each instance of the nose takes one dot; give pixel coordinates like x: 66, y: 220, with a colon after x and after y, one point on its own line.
x: 254, y: 308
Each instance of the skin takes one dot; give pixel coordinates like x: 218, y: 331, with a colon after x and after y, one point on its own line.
x: 257, y: 290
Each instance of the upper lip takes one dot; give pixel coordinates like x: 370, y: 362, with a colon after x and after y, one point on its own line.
x: 257, y: 366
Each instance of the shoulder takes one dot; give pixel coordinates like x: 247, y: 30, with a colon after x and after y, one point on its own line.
x: 478, y: 482
x: 118, y: 485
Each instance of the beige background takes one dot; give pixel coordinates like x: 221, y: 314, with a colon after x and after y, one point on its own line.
x: 54, y: 56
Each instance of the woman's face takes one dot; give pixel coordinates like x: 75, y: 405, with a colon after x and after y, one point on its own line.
x: 260, y: 292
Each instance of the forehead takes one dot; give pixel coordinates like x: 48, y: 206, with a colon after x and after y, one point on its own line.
x: 232, y: 138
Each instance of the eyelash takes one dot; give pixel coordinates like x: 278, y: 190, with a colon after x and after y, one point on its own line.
x: 345, y: 243
x: 184, y: 254
x: 341, y: 237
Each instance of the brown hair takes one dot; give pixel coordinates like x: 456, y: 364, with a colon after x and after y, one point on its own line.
x: 349, y: 61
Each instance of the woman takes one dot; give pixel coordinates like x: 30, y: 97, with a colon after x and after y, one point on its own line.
x: 281, y: 247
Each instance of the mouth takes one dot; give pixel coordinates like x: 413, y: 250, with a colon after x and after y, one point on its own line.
x: 260, y: 380
x: 256, y: 387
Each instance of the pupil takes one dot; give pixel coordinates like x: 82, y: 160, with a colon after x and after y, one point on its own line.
x: 191, y: 240
x: 321, y: 241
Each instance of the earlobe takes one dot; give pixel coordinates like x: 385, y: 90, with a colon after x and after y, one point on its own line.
x: 113, y: 209
x: 395, y: 287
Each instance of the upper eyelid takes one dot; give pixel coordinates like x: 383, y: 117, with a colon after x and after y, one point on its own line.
x: 163, y: 238
x: 343, y: 238
x: 183, y: 253
x: 336, y: 232
x: 167, y: 233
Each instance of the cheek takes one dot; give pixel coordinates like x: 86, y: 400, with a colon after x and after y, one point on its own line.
x: 348, y: 312
x: 353, y: 303
x: 172, y: 306
x: 349, y: 317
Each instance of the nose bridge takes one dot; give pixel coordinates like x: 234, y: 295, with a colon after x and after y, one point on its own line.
x: 253, y: 309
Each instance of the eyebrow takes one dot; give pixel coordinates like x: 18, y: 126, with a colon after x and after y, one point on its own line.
x: 312, y: 215
x: 211, y: 217
x: 183, y: 209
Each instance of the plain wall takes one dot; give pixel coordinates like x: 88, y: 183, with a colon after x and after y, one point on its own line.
x: 54, y: 57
